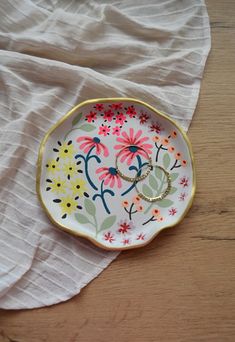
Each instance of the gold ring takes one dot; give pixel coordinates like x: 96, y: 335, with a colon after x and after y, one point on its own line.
x: 133, y: 150
x: 163, y: 194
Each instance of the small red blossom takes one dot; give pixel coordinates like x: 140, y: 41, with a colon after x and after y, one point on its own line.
x: 140, y: 236
x: 116, y: 106
x: 126, y: 241
x: 120, y: 119
x: 116, y: 130
x: 124, y: 227
x: 104, y: 130
x: 172, y: 211
x: 109, y: 237
x: 182, y: 196
x: 143, y: 118
x: 156, y: 127
x: 91, y: 117
x: 184, y: 181
x: 108, y: 115
x: 131, y: 112
x: 99, y: 106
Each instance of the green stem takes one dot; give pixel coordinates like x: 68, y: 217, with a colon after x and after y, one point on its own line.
x: 66, y: 135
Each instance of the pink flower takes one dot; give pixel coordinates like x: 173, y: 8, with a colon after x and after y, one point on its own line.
x: 120, y: 119
x: 135, y: 144
x: 140, y: 236
x: 99, y: 106
x: 126, y: 241
x: 172, y: 211
x: 156, y: 127
x: 91, y: 117
x: 89, y: 142
x: 182, y: 196
x: 116, y: 130
x: 131, y: 112
x: 108, y: 115
x: 184, y: 181
x: 109, y: 237
x: 124, y: 227
x: 104, y: 130
x: 116, y: 106
x: 143, y: 118
x: 110, y: 176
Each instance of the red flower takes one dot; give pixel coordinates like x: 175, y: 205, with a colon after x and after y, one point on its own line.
x: 135, y: 144
x: 184, y: 181
x: 109, y: 237
x: 116, y: 106
x: 156, y: 128
x: 140, y: 236
x: 126, y: 241
x: 99, y: 106
x: 124, y: 227
x: 143, y: 118
x: 172, y: 211
x: 120, y: 119
x: 89, y: 142
x: 91, y: 117
x: 108, y: 115
x: 104, y: 130
x: 116, y: 130
x: 182, y: 196
x: 131, y: 111
x: 110, y: 176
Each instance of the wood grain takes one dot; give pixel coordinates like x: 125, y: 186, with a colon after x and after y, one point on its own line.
x: 182, y: 286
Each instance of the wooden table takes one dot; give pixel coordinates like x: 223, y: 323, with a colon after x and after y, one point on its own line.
x: 182, y: 286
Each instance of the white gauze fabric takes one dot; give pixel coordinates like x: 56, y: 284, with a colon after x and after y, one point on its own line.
x: 53, y: 55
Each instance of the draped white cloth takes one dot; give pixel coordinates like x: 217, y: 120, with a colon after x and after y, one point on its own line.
x: 53, y: 55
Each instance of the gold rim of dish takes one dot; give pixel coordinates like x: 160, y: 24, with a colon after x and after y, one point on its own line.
x: 65, y: 117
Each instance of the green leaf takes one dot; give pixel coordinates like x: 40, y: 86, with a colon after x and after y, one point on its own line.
x: 165, y: 203
x: 90, y: 207
x: 174, y: 176
x: 158, y: 173
x: 166, y: 160
x: 153, y: 182
x: 81, y: 218
x: 173, y: 190
x: 108, y: 222
x: 87, y: 127
x: 147, y: 190
x: 77, y: 119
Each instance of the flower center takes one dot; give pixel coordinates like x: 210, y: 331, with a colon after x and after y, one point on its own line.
x: 96, y: 140
x: 133, y: 149
x: 112, y: 171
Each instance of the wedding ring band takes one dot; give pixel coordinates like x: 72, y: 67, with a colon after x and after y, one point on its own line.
x: 133, y: 149
x: 163, y: 194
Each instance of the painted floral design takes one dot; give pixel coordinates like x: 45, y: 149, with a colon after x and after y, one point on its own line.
x: 52, y: 166
x: 84, y: 184
x: 109, y: 237
x: 110, y: 176
x: 65, y: 149
x: 91, y: 117
x: 184, y: 181
x: 124, y: 227
x: 89, y: 143
x: 135, y: 143
x: 56, y: 185
x: 133, y: 207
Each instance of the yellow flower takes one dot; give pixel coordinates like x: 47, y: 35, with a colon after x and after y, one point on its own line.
x: 68, y: 205
x: 65, y: 150
x: 78, y: 186
x: 56, y: 185
x: 52, y: 166
x: 70, y: 169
